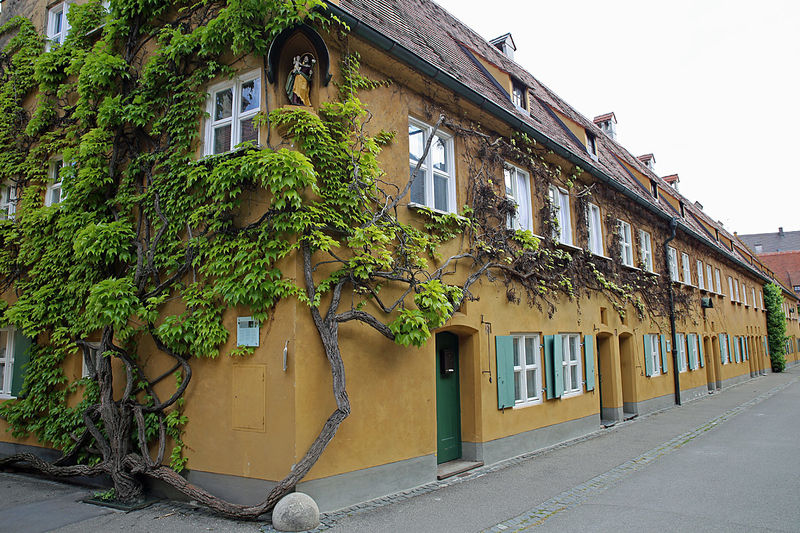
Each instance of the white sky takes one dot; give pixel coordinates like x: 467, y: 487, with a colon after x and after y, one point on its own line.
x: 710, y: 87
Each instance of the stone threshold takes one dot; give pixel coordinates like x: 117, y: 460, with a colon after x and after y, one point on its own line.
x: 455, y: 467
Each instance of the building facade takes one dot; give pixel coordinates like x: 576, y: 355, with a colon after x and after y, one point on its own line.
x: 503, y: 377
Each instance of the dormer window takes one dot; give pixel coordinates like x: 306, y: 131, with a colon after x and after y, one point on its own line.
x: 683, y: 211
x: 654, y: 188
x: 591, y: 145
x: 518, y: 96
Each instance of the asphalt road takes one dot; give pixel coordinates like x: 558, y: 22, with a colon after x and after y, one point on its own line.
x: 728, y: 462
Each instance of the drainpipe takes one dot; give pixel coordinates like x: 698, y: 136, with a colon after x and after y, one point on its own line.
x: 673, y: 224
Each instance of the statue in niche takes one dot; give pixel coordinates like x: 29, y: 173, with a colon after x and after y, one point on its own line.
x: 298, y: 84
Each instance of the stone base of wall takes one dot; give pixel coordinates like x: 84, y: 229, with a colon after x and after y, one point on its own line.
x: 507, y: 447
x: 350, y: 488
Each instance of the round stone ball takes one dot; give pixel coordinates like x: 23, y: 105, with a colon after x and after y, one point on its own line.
x: 295, y: 512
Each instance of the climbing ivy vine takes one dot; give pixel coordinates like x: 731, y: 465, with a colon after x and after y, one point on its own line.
x: 776, y: 326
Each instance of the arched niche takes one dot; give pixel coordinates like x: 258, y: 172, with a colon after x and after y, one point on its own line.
x: 292, y: 42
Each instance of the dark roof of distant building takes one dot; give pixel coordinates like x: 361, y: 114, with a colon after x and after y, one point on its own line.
x: 786, y: 266
x: 779, y: 241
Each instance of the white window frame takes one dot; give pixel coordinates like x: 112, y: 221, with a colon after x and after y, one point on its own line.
x: 237, y: 116
x: 710, y: 277
x: 701, y: 282
x: 515, y: 179
x: 559, y: 201
x: 54, y: 36
x: 687, y: 270
x: 655, y: 353
x: 7, y: 360
x: 594, y: 222
x: 672, y: 255
x: 427, y: 171
x: 646, y: 250
x: 8, y: 201
x: 744, y: 294
x: 755, y: 302
x: 730, y: 289
x: 523, y: 369
x: 736, y: 289
x: 626, y: 243
x: 681, y: 346
x: 570, y: 341
x: 761, y: 299
x: 55, y: 182
x: 717, y: 277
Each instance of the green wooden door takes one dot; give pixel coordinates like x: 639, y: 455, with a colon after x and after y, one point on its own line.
x: 448, y: 402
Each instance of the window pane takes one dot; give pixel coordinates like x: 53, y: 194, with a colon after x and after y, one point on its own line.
x: 55, y: 195
x: 517, y: 385
x: 223, y: 104
x: 532, y: 393
x: 2, y: 376
x: 516, y: 352
x: 440, y: 192
x: 416, y: 142
x: 251, y: 95
x: 57, y: 21
x: 574, y: 372
x: 529, y: 353
x: 3, y: 345
x: 523, y: 200
x: 222, y: 139
x: 249, y: 131
x: 439, y: 154
x: 508, y: 179
x: 418, y: 187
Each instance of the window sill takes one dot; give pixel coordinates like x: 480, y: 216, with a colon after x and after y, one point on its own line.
x: 529, y: 403
x: 600, y: 256
x: 631, y: 267
x: 420, y: 207
x: 568, y: 246
x: 4, y: 397
x: 565, y: 395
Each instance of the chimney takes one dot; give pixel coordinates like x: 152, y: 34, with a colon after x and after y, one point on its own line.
x: 673, y: 180
x: 505, y: 43
x: 607, y: 123
x: 780, y: 232
x: 649, y: 160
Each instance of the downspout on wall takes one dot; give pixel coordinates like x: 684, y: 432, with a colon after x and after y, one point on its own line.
x: 673, y: 224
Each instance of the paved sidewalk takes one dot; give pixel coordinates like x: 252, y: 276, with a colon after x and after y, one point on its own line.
x: 512, y: 496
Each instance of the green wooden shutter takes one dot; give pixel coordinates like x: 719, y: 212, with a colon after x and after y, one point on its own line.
x: 549, y: 340
x: 692, y: 355
x: 588, y: 359
x: 504, y: 346
x: 558, y: 365
x: 731, y: 349
x: 664, y: 356
x: 700, y: 347
x: 648, y: 357
x: 736, y: 348
x: 22, y: 355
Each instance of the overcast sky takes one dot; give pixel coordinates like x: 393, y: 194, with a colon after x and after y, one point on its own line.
x: 711, y: 88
